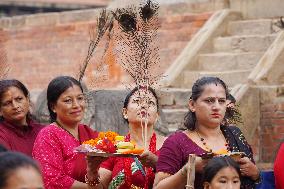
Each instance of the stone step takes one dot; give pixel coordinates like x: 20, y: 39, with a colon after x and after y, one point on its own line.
x: 176, y: 44
x: 192, y: 6
x: 245, y: 43
x: 250, y: 27
x: 228, y: 61
x: 174, y: 118
x: 168, y: 55
x: 174, y: 97
x: 231, y: 78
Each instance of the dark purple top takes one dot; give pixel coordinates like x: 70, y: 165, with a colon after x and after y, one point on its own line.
x: 175, y: 150
x: 174, y: 155
x: 19, y: 138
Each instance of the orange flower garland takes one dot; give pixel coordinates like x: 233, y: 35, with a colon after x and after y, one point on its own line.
x: 110, y: 135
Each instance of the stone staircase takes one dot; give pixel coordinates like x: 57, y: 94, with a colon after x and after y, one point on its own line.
x: 173, y: 102
x: 174, y: 34
x: 235, y: 54
x: 232, y: 57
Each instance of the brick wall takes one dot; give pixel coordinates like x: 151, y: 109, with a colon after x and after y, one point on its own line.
x: 40, y: 47
x: 57, y: 2
x: 271, y: 129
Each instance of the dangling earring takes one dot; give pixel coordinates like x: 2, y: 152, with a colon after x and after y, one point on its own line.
x: 125, y: 117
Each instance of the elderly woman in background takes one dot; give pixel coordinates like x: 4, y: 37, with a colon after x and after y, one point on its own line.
x: 205, y: 134
x: 17, y: 128
x: 54, y: 146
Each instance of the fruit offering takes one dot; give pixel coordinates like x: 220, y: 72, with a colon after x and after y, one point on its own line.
x: 110, y: 142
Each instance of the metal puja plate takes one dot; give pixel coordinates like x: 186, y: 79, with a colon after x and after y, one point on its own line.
x: 234, y: 155
x: 104, y: 154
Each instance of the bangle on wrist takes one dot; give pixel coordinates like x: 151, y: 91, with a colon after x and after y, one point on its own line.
x: 258, y: 180
x: 94, y: 182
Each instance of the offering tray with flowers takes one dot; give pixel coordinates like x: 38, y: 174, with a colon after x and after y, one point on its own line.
x: 109, y: 144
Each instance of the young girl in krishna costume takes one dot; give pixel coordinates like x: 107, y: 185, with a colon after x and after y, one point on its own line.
x: 134, y: 173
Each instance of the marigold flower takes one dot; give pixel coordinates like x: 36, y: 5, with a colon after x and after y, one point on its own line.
x: 109, y: 135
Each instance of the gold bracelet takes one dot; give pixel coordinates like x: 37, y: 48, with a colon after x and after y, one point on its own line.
x: 93, y: 182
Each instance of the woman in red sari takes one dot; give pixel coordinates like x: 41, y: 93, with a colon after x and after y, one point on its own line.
x: 54, y: 146
x: 124, y: 173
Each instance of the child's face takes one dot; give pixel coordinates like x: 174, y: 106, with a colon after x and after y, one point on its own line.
x: 142, y: 106
x: 226, y: 178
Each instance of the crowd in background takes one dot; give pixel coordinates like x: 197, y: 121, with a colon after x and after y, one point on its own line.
x: 42, y: 156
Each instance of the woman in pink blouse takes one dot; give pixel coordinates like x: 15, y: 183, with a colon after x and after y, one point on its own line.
x: 54, y: 145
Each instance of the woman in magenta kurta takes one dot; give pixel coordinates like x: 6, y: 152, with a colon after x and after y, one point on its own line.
x: 62, y: 168
x: 204, y: 134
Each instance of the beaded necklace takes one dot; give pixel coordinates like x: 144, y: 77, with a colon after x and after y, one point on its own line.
x: 208, y: 147
x: 149, y: 170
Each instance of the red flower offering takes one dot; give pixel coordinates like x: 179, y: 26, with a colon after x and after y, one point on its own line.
x: 106, y: 145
